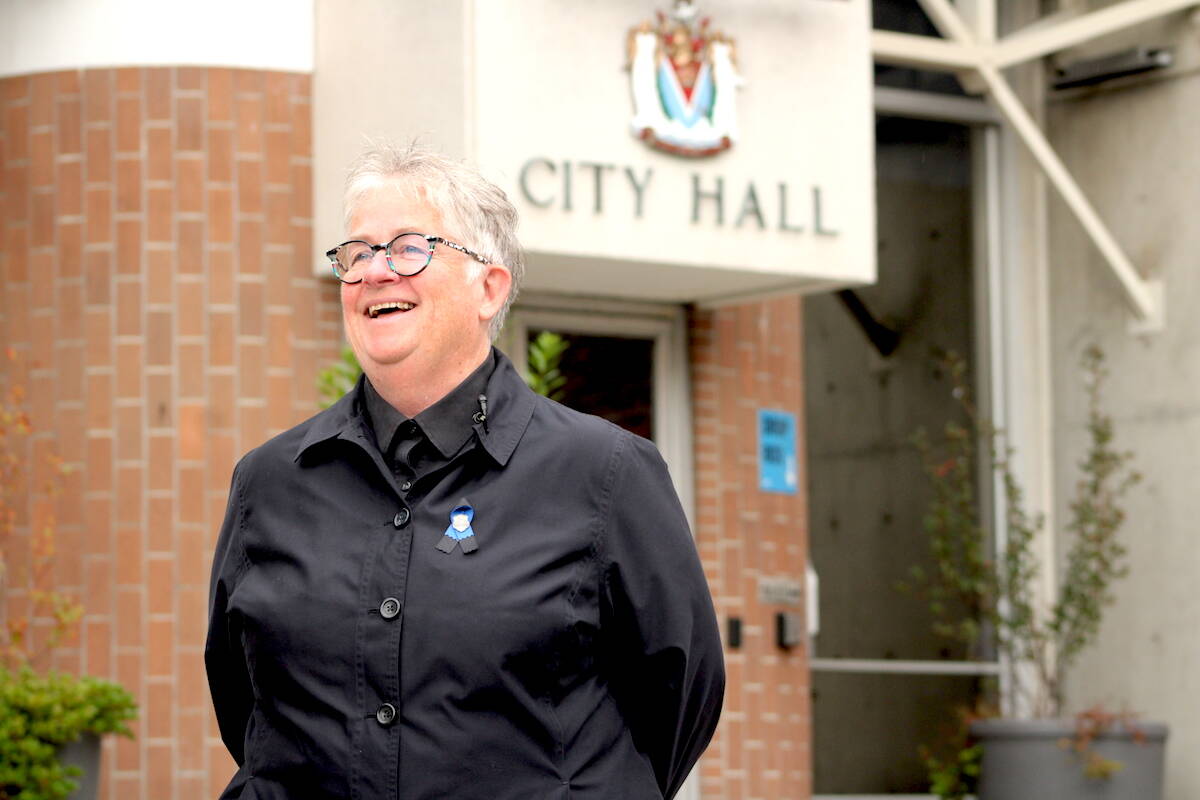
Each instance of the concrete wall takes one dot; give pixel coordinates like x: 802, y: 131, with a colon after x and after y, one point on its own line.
x: 1133, y: 147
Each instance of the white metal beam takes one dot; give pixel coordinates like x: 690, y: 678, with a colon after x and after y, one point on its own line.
x: 948, y: 21
x: 943, y: 108
x: 951, y: 24
x: 1025, y: 46
x: 981, y: 16
x: 1137, y: 292
x: 963, y: 51
x: 921, y: 52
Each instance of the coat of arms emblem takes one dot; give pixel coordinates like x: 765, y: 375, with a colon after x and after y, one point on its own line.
x: 684, y: 79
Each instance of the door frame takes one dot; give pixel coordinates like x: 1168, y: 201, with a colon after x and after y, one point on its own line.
x: 664, y: 324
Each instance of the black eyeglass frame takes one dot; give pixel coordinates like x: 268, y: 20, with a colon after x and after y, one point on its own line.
x: 387, y: 253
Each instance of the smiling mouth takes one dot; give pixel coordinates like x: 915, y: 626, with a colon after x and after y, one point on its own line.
x: 380, y: 309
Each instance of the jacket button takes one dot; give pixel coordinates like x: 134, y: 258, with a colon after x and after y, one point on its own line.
x: 386, y: 714
x: 401, y: 518
x: 389, y: 608
x: 404, y: 487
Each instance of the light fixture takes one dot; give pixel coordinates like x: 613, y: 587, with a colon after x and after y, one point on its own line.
x: 1133, y: 61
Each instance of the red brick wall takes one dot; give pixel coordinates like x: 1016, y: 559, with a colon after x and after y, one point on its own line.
x: 156, y: 256
x: 158, y: 291
x: 745, y: 358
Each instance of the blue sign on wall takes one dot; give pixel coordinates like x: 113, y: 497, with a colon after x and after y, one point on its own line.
x: 776, y: 451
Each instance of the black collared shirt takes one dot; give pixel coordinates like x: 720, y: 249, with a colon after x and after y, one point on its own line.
x: 434, y: 436
x: 571, y: 652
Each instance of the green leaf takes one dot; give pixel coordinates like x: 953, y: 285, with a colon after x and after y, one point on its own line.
x: 544, y: 356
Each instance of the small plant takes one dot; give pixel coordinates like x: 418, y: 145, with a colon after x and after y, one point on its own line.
x: 545, y: 354
x: 1002, y: 592
x: 338, y: 378
x: 1094, y: 722
x: 955, y: 777
x: 40, y: 713
x: 974, y: 594
x: 953, y: 766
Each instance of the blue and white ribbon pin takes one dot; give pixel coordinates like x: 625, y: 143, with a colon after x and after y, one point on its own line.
x: 460, y: 531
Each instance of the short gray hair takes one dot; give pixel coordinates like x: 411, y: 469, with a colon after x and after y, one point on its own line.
x: 478, y: 210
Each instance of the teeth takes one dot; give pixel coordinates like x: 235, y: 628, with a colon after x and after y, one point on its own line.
x: 373, y: 311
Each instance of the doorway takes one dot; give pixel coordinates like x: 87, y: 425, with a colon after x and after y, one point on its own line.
x: 625, y: 362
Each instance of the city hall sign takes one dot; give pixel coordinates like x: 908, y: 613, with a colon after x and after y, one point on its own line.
x: 712, y: 152
x: 583, y: 185
x: 683, y: 80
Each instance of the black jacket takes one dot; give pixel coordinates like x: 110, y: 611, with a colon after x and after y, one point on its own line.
x: 574, y: 654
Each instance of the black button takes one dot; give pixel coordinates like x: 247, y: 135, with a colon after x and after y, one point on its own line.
x: 404, y: 487
x: 389, y: 608
x: 401, y: 518
x: 386, y: 714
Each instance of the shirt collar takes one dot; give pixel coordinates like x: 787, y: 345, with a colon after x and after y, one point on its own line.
x: 510, y: 407
x: 382, y: 416
x: 448, y: 423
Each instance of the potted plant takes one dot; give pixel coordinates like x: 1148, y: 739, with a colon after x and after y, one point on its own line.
x: 979, y: 592
x: 50, y: 723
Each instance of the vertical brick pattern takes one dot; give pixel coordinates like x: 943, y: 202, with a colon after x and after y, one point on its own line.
x: 745, y: 358
x: 158, y: 290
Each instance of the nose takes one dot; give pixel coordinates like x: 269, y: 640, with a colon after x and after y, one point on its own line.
x: 378, y: 270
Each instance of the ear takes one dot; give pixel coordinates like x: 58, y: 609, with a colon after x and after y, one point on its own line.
x: 496, y: 281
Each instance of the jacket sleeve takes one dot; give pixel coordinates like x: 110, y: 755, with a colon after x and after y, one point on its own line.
x: 663, y: 645
x: 228, y: 680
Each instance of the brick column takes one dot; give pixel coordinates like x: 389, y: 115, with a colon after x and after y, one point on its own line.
x: 159, y: 295
x: 745, y: 358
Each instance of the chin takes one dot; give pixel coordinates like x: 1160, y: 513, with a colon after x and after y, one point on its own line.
x: 371, y: 354
x: 385, y: 349
x: 386, y: 357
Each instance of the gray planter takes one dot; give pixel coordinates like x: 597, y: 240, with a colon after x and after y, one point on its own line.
x: 1023, y: 760
x: 85, y: 754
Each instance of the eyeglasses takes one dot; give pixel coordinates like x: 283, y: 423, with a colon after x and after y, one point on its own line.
x: 407, y: 254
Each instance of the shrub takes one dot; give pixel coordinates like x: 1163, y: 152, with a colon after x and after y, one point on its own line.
x: 41, y: 713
